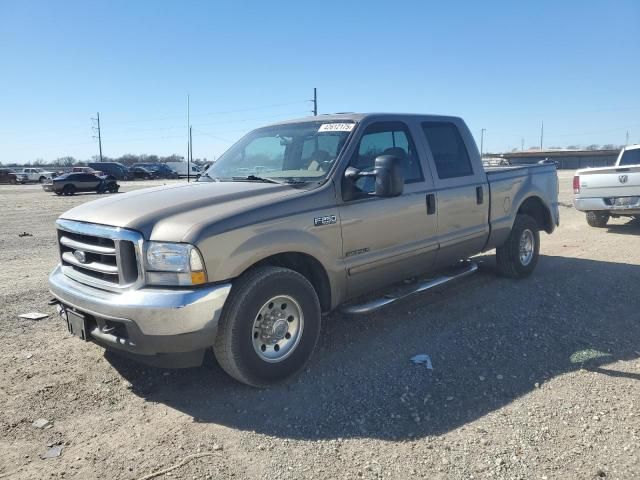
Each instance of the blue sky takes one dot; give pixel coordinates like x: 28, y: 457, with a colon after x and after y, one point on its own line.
x: 503, y: 66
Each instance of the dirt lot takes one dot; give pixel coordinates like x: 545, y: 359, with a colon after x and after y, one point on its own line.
x: 531, y: 379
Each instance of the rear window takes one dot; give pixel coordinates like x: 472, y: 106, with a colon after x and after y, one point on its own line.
x: 448, y: 149
x: 630, y: 157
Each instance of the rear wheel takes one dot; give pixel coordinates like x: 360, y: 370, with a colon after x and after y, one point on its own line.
x: 69, y: 190
x: 597, y: 219
x: 269, y: 326
x: 518, y: 256
x: 42, y: 179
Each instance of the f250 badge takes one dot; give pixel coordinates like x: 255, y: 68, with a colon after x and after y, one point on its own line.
x: 326, y: 220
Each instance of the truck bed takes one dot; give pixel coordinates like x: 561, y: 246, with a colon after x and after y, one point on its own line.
x: 509, y: 187
x: 609, y: 182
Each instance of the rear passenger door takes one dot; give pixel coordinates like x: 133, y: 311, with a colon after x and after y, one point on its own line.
x: 386, y: 239
x: 462, y: 196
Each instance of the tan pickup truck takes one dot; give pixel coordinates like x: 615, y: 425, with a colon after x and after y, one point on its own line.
x: 293, y: 221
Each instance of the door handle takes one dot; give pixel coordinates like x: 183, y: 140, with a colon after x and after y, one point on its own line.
x: 479, y: 195
x: 431, y: 203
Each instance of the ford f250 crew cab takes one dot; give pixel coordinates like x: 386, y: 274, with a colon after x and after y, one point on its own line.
x: 611, y: 191
x: 293, y: 221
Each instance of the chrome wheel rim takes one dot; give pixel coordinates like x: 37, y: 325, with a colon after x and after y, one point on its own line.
x: 527, y: 243
x: 277, y: 329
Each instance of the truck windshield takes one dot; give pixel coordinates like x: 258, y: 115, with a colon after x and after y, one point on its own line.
x: 630, y: 157
x: 297, y: 152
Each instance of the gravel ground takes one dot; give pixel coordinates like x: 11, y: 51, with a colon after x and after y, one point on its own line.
x: 531, y: 379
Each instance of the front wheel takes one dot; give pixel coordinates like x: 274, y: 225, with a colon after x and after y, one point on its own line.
x: 597, y: 219
x: 42, y: 179
x: 518, y: 256
x: 269, y: 326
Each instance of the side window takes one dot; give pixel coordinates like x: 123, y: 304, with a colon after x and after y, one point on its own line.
x: 386, y: 138
x: 448, y: 149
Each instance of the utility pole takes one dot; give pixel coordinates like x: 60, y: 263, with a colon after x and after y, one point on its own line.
x: 522, y: 144
x: 190, y: 157
x: 188, y: 137
x: 626, y: 142
x: 315, y: 102
x: 97, y: 119
x: 482, y: 141
x: 541, y: 134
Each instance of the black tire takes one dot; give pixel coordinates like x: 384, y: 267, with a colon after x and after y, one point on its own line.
x: 69, y: 190
x: 41, y: 179
x: 508, y: 256
x: 597, y: 219
x: 234, y: 343
x: 113, y: 188
x: 14, y: 181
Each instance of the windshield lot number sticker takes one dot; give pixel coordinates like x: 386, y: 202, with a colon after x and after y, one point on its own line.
x: 336, y: 127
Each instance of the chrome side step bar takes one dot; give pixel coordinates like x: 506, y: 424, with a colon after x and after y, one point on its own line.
x: 467, y: 268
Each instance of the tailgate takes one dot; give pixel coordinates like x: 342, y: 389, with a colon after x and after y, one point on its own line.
x: 610, y: 182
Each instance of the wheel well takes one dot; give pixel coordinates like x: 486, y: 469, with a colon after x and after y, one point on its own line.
x: 534, y: 207
x: 307, y: 266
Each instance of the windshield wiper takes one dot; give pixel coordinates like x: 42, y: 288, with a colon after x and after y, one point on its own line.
x: 255, y: 178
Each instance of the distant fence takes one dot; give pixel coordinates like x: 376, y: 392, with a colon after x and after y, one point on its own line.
x: 566, y: 160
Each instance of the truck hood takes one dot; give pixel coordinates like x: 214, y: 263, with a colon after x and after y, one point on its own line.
x: 174, y: 213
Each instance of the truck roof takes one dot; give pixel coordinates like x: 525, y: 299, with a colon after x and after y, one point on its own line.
x: 358, y: 117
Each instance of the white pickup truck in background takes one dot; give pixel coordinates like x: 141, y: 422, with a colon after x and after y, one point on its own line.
x: 611, y: 191
x: 36, y: 174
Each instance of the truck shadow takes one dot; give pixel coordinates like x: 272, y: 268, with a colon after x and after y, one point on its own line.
x: 491, y: 341
x: 631, y: 227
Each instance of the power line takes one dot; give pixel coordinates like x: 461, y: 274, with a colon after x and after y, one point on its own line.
x: 177, y: 127
x: 222, y: 112
x: 214, y: 136
x: 254, y: 118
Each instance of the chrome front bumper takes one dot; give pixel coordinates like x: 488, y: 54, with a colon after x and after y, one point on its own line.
x: 156, y: 320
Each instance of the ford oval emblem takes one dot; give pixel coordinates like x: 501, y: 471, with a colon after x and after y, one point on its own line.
x: 80, y: 256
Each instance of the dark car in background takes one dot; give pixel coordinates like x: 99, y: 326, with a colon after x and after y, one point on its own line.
x: 75, y: 182
x: 160, y: 170
x: 141, y: 173
x: 115, y: 169
x: 7, y: 175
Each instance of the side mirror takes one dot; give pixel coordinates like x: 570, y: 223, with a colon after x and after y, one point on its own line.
x: 389, y: 176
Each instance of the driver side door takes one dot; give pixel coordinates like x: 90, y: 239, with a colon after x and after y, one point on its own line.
x: 386, y: 239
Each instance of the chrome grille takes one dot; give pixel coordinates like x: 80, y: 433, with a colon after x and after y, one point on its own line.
x: 100, y: 256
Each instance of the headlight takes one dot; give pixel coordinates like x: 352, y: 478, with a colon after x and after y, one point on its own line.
x: 174, y: 264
